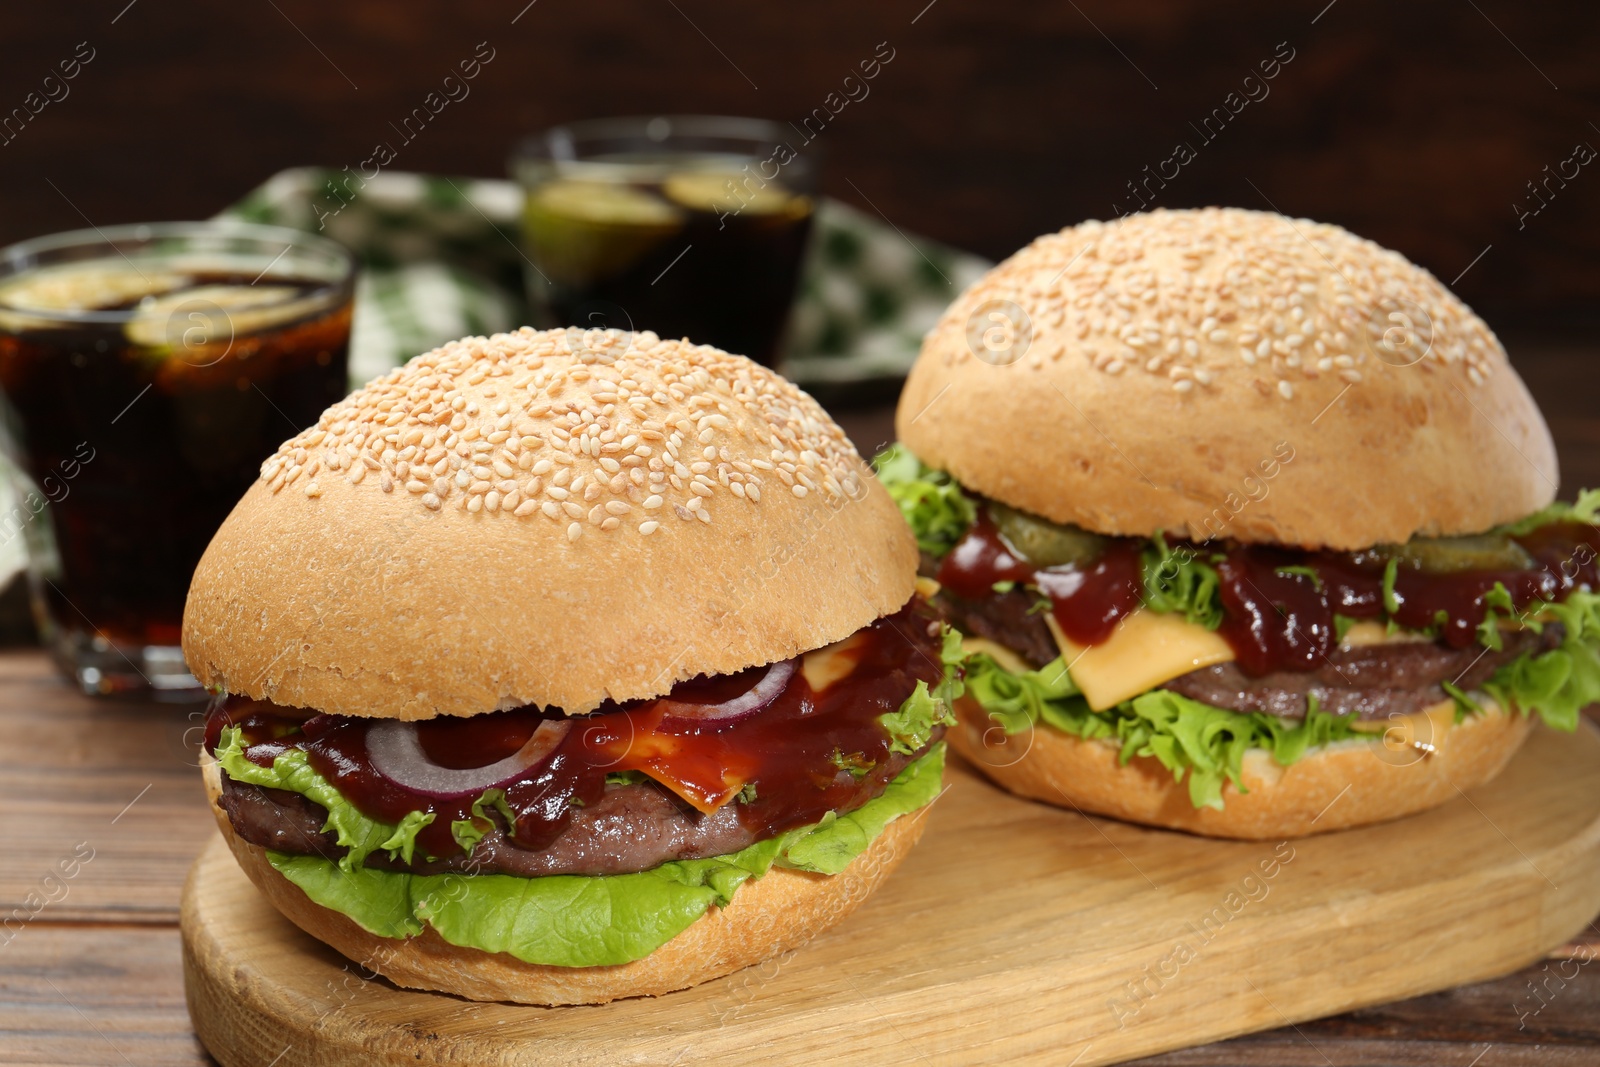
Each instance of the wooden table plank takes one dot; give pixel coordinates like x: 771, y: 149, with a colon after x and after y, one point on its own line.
x: 78, y: 994
x: 107, y: 790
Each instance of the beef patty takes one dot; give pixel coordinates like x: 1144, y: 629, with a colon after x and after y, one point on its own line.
x: 1012, y: 619
x: 1372, y: 681
x: 630, y: 828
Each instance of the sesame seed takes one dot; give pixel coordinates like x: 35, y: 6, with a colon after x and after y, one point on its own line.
x: 649, y: 527
x: 574, y: 532
x: 1167, y: 285
x: 468, y: 416
x: 1286, y: 390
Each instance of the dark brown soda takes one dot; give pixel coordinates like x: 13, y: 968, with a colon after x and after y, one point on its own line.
x: 142, y: 454
x: 716, y: 276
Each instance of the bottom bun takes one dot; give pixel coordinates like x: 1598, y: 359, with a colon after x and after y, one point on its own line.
x: 1347, y: 783
x: 768, y: 916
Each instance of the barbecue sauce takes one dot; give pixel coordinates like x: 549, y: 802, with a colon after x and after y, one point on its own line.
x: 1087, y: 602
x: 782, y: 757
x: 1276, y: 619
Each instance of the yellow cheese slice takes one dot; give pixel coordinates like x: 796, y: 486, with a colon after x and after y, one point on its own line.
x: 1367, y: 632
x: 999, y: 653
x: 1146, y: 649
x: 824, y: 666
x: 1419, y: 732
x: 1149, y: 648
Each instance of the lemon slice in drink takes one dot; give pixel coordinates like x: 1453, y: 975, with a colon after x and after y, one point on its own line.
x: 721, y: 192
x: 74, y: 288
x: 207, y: 316
x: 584, y: 231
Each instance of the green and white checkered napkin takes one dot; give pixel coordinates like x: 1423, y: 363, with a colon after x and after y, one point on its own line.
x: 442, y: 261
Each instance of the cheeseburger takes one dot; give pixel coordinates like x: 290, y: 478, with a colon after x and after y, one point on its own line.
x: 1248, y: 525
x: 560, y: 667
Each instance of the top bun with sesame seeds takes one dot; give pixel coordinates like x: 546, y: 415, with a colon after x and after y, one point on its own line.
x: 551, y: 518
x: 1147, y: 374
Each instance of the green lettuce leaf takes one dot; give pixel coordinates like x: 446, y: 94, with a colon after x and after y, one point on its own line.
x: 1585, y: 509
x: 1560, y: 683
x: 830, y: 845
x: 1017, y: 701
x: 1181, y: 582
x: 911, y: 725
x: 931, y: 501
x: 1207, y: 744
x: 469, y: 831
x: 1201, y: 744
x: 578, y: 921
x: 293, y: 771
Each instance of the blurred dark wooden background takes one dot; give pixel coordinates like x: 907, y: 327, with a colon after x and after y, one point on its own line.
x: 1418, y: 124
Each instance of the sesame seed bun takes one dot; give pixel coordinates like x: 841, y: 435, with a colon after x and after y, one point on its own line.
x: 1228, y: 373
x: 550, y: 518
x: 768, y: 916
x: 1345, y: 784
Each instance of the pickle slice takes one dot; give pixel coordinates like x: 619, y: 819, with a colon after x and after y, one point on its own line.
x: 1044, y: 543
x: 721, y: 192
x: 1454, y: 555
x: 586, y: 231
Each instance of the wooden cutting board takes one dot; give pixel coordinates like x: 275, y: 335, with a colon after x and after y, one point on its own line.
x: 1014, y: 933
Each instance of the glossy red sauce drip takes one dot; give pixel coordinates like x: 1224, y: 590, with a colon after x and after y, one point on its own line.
x: 1087, y: 602
x: 1282, y: 622
x: 1276, y: 621
x: 783, y: 751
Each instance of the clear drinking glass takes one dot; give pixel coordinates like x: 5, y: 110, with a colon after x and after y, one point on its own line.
x: 147, y: 371
x: 689, y: 225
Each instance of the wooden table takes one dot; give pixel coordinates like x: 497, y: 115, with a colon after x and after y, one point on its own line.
x: 90, y: 973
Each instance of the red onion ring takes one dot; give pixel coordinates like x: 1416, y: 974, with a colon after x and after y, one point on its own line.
x: 745, y: 704
x: 397, y: 754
